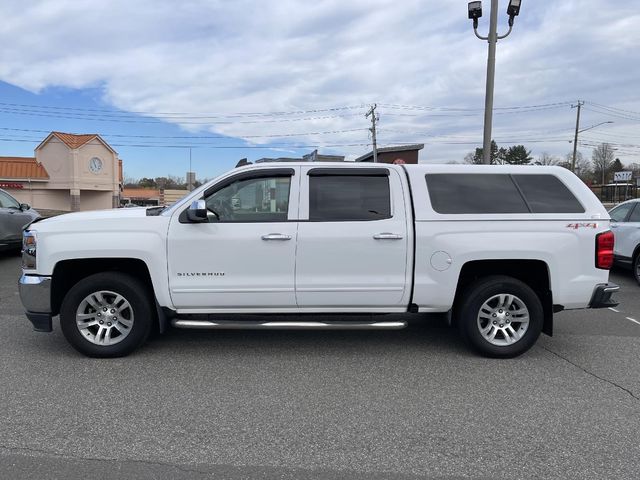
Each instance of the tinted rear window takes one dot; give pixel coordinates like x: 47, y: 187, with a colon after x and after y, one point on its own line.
x: 500, y: 193
x: 474, y: 193
x: 547, y: 194
x: 348, y: 198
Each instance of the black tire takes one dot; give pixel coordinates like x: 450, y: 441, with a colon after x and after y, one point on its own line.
x: 470, y: 325
x: 140, y: 314
x: 636, y: 268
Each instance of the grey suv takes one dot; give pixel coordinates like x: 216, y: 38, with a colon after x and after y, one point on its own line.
x: 625, y: 224
x: 14, y: 216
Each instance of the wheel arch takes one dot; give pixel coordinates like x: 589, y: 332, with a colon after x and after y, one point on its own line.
x: 535, y: 273
x: 67, y: 273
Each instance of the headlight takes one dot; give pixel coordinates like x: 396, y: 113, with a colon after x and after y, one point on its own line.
x: 29, y: 242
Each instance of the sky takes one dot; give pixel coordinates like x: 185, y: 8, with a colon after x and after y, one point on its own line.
x: 223, y: 80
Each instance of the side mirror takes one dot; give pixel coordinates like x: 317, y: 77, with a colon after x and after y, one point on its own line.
x: 24, y: 206
x: 197, y: 212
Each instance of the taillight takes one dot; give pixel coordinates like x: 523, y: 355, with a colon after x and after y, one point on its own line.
x: 604, y: 250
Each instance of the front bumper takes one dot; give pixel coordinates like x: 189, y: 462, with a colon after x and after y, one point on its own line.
x: 35, y: 294
x: 601, y: 297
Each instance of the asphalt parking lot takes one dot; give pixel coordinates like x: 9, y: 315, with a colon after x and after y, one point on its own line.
x: 409, y: 404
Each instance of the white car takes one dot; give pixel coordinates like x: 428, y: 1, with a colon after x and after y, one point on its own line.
x: 625, y: 224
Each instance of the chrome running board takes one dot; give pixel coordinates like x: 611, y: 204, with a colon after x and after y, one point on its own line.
x: 299, y: 325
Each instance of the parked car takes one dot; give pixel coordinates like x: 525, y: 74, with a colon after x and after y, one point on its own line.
x: 500, y: 249
x: 14, y: 216
x: 625, y: 224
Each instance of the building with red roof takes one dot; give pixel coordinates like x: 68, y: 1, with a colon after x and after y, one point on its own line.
x: 69, y: 172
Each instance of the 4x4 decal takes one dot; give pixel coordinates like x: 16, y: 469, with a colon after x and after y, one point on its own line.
x: 576, y: 226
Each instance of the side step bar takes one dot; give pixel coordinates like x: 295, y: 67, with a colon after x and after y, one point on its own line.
x: 299, y: 325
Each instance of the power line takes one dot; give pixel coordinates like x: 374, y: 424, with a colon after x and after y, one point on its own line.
x: 456, y: 109
x: 621, y: 110
x: 205, y: 145
x: 351, y: 130
x: 612, y: 114
x: 158, y: 121
x: 181, y: 114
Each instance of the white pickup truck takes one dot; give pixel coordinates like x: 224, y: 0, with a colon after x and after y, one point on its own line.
x: 500, y: 248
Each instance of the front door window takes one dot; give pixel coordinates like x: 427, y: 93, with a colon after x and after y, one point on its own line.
x: 251, y: 200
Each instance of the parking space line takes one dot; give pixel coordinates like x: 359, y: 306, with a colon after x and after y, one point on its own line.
x: 614, y: 310
x: 633, y: 320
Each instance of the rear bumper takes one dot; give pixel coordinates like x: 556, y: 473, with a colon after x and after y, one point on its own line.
x: 35, y: 294
x: 601, y: 297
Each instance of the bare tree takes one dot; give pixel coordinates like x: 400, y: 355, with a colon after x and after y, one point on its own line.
x: 128, y: 181
x: 583, y: 166
x: 602, y: 158
x: 470, y: 158
x: 546, y: 159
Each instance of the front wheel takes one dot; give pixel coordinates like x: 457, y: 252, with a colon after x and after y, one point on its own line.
x: 106, y: 315
x: 500, y: 316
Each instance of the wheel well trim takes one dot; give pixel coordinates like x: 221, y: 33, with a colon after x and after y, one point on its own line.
x: 58, y: 290
x: 544, y: 291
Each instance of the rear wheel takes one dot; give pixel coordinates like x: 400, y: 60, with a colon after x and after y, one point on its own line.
x: 106, y: 315
x: 500, y: 316
x: 636, y: 267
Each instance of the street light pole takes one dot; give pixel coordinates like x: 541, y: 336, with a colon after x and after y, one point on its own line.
x: 491, y: 74
x: 475, y: 12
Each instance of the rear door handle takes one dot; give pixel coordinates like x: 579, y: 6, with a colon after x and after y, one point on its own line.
x: 387, y: 236
x: 276, y: 236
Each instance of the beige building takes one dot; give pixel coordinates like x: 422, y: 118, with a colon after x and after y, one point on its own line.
x: 69, y: 173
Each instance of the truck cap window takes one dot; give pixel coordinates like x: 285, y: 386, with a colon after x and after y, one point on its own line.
x: 474, y: 193
x: 469, y: 193
x: 339, y: 198
x: 547, y: 194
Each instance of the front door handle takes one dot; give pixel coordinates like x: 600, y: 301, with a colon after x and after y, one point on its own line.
x: 276, y: 236
x: 387, y: 236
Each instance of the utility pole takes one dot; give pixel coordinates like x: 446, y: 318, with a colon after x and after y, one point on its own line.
x: 575, y: 139
x: 374, y: 118
x: 190, y: 176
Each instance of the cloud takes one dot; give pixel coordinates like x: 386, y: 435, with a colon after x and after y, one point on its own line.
x: 217, y: 57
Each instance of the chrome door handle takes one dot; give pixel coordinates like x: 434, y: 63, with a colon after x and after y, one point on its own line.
x: 276, y: 236
x: 387, y: 236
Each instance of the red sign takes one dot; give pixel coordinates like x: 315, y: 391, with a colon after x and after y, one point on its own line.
x: 17, y: 186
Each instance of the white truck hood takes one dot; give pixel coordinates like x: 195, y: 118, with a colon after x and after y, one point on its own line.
x: 93, y: 220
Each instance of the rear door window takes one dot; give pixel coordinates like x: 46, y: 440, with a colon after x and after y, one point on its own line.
x: 348, y: 197
x: 635, y: 214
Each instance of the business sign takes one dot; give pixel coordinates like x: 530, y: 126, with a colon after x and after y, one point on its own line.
x: 622, y: 176
x: 17, y: 186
